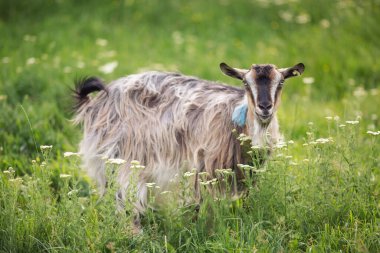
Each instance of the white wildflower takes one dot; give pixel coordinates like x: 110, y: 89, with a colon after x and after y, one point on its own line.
x: 245, y: 166
x: 67, y: 69
x: 351, y: 82
x: 325, y: 23
x: 224, y: 171
x: 342, y: 125
x: 72, y: 192
x: 5, y: 60
x: 323, y: 140
x: 329, y: 118
x: 30, y: 38
x: 205, y: 183
x: 68, y: 154
x: 336, y: 118
x: 220, y: 171
x: 352, y: 122
x: 188, y: 174
x: 109, y: 67
x: 80, y: 65
x: 46, y: 147
x: 177, y: 38
x: 305, y: 144
x: 107, y: 54
x: 17, y: 180
x: 255, y: 147
x: 203, y: 173
x: 135, y: 162
x: 286, y: 16
x: 308, y: 80
x: 280, y: 145
x: 64, y: 176
x: 374, y: 91
x: 305, y: 160
x: 303, y: 18
x: 101, y: 42
x: 293, y: 163
x: 373, y: 132
x: 150, y: 185
x: 117, y: 161
x: 31, y: 61
x: 214, y: 182
x: 165, y: 192
x: 291, y: 142
x: 288, y: 157
x: 360, y: 92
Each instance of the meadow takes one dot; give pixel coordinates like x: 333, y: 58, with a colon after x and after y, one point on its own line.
x: 318, y: 193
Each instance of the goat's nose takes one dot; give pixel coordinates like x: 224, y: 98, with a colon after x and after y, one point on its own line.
x: 265, y: 106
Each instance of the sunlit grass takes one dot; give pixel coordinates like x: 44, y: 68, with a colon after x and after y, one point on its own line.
x: 324, y: 197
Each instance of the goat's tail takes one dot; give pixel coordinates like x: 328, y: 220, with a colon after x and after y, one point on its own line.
x: 83, y: 87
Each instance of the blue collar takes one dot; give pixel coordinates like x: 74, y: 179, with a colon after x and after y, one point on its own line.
x: 239, y: 116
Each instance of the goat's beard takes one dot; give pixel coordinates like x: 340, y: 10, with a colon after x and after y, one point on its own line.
x: 264, y: 122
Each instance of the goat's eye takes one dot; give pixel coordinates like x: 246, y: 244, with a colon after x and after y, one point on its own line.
x: 245, y: 83
x: 281, y: 83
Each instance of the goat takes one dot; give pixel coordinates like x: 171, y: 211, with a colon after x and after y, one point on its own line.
x: 168, y: 121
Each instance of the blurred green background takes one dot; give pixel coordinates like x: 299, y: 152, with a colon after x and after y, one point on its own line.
x: 312, y: 197
x: 46, y: 44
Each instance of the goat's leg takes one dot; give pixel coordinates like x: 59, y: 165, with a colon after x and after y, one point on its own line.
x: 133, y: 200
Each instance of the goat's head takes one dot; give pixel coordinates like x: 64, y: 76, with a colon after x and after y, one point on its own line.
x: 263, y: 84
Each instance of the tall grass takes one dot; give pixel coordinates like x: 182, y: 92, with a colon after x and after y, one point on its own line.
x: 319, y: 193
x: 324, y: 198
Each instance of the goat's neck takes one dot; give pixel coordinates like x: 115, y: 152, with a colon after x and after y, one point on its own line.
x: 262, y: 135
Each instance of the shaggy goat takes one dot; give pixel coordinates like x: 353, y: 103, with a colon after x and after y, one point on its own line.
x: 169, y: 121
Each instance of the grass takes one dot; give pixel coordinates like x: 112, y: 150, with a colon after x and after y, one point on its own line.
x: 320, y: 197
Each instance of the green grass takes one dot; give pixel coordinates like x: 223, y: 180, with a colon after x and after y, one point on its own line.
x: 314, y: 198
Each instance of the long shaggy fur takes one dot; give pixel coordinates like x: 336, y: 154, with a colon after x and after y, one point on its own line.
x: 167, y: 121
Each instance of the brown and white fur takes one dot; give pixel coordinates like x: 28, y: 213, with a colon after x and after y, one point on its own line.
x: 171, y: 122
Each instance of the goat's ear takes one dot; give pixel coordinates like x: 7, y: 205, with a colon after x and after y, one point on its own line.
x: 296, y: 70
x: 232, y: 72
